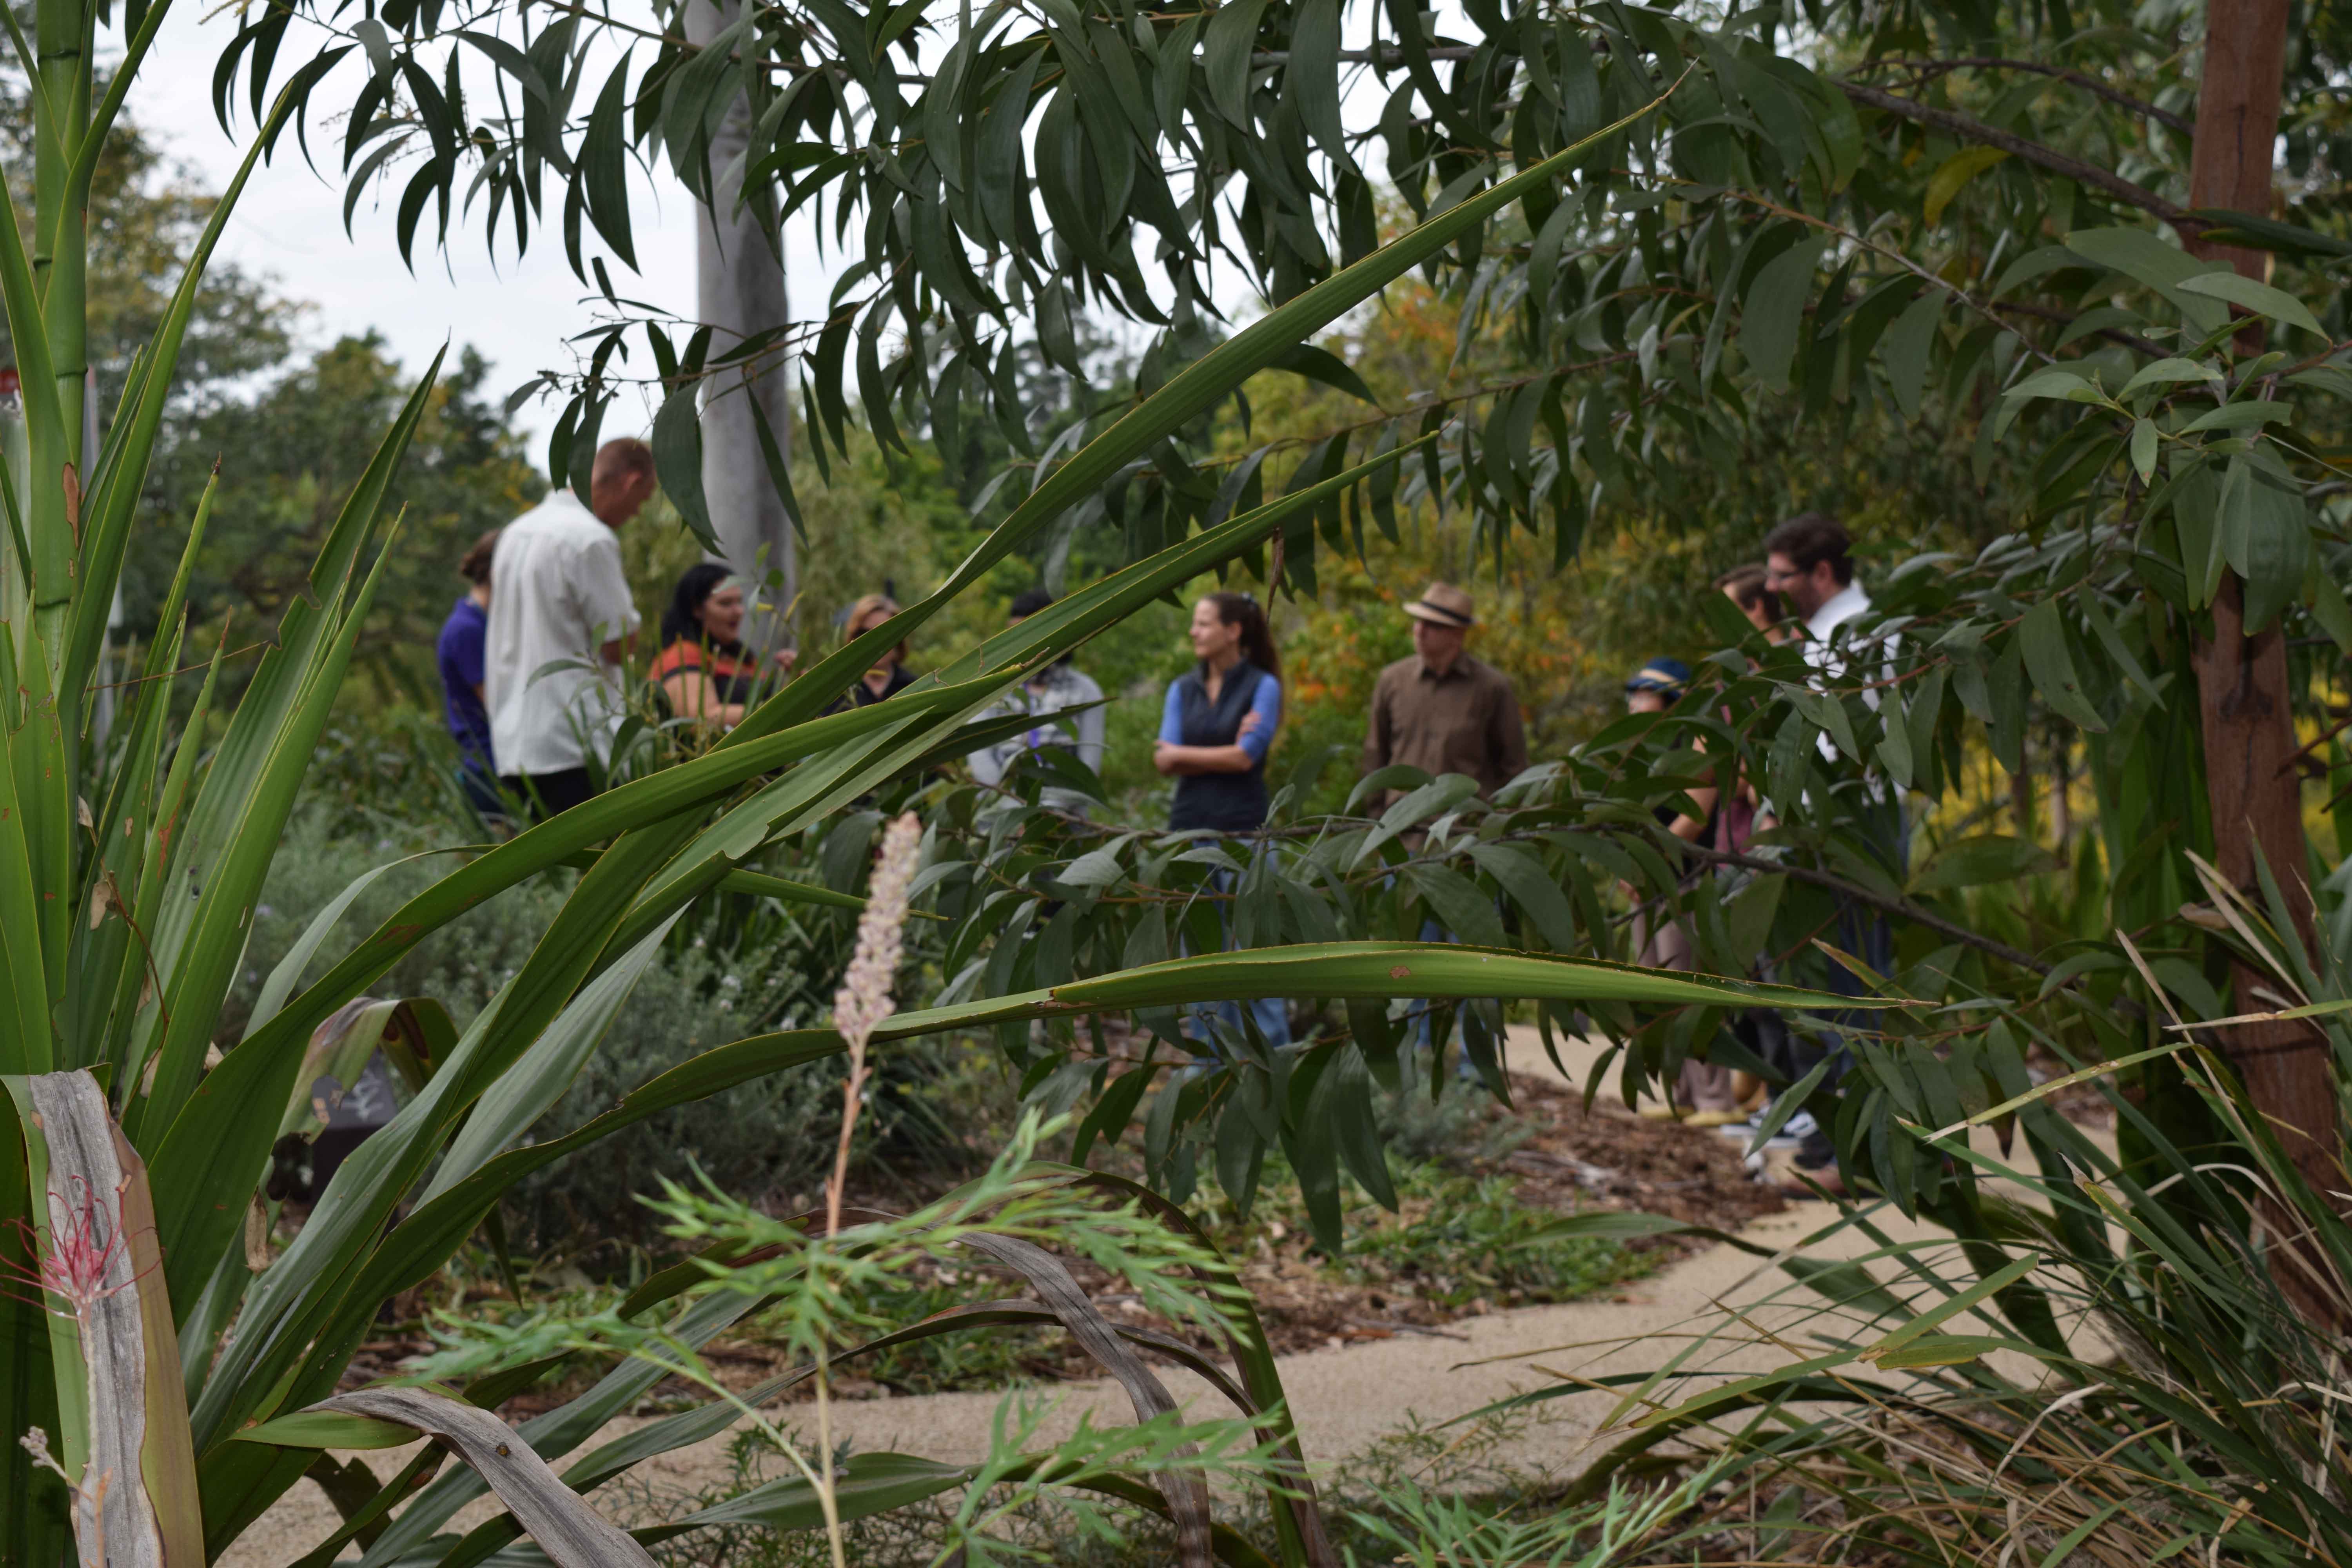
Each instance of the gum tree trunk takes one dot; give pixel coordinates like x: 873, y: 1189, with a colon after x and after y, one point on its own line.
x: 739, y: 290
x: 2251, y: 783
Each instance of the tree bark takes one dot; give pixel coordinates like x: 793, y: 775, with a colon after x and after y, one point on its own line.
x: 2236, y: 118
x: 2243, y: 699
x: 739, y: 290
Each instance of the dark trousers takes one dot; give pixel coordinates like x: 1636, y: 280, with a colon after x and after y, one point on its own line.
x: 544, y: 794
x: 1864, y: 932
x: 481, y: 788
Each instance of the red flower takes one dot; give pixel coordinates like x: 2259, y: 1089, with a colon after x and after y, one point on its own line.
x: 85, y: 1242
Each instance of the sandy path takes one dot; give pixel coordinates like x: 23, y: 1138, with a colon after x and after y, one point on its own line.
x: 1345, y: 1398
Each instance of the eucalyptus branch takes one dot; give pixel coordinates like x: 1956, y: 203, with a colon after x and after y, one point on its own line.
x: 2112, y: 334
x: 1925, y: 70
x: 1902, y: 909
x: 1927, y: 275
x: 1966, y: 128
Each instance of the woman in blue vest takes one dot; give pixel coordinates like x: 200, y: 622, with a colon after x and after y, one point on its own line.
x: 1214, y: 732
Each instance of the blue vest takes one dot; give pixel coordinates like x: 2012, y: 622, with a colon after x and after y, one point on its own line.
x: 1221, y: 803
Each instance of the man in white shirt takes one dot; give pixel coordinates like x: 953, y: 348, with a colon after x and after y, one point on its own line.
x: 1807, y: 561
x: 558, y: 597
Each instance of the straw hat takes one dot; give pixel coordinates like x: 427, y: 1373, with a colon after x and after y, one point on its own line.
x: 1443, y: 604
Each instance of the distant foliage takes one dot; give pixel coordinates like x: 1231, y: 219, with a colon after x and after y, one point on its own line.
x: 297, y: 447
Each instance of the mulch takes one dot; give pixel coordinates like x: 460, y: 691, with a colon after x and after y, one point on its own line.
x: 1609, y: 1158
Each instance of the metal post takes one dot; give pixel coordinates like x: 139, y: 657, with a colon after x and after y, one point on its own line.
x: 739, y: 290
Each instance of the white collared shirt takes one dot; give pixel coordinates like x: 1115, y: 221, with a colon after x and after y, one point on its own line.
x: 1850, y: 603
x: 1847, y: 604
x: 557, y: 595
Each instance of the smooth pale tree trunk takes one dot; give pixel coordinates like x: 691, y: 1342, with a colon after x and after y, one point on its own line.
x: 739, y: 290
x: 2251, y: 783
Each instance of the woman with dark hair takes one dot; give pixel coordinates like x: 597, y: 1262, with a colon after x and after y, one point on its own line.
x: 1219, y: 719
x: 1214, y: 732
x: 703, y: 667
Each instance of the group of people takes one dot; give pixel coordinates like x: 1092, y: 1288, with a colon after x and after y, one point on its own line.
x: 1805, y: 588
x: 1443, y: 710
x: 531, y: 653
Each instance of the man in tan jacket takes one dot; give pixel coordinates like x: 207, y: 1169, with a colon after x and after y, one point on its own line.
x: 1441, y: 710
x: 1444, y: 713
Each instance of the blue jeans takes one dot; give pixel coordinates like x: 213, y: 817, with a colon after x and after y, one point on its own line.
x: 1419, y: 1036
x: 1271, y: 1014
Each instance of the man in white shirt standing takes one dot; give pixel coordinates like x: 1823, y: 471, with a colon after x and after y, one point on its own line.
x: 1807, y: 561
x: 558, y: 596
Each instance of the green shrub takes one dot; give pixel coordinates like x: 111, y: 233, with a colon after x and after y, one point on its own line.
x: 324, y: 850
x: 764, y: 1140
x: 776, y: 974
x: 1464, y: 1122
x: 1460, y: 1241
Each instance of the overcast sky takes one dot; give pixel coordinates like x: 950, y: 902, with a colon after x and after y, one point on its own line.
x: 289, y: 226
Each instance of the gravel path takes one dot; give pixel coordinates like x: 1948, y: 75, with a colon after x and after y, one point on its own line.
x: 1345, y: 1398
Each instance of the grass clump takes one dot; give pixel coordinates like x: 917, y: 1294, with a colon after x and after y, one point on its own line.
x: 1486, y: 1471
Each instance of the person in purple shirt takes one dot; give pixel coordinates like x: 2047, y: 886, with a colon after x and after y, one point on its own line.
x: 459, y: 654
x: 1214, y: 731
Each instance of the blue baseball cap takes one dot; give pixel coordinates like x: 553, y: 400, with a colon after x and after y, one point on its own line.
x: 1671, y: 675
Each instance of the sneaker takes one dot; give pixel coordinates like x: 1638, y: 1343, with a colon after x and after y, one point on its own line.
x: 1716, y: 1118
x: 1792, y: 1133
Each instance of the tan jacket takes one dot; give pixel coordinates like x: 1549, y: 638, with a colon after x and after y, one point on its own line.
x: 1465, y: 722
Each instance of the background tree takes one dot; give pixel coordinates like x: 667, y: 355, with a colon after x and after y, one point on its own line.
x: 291, y: 451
